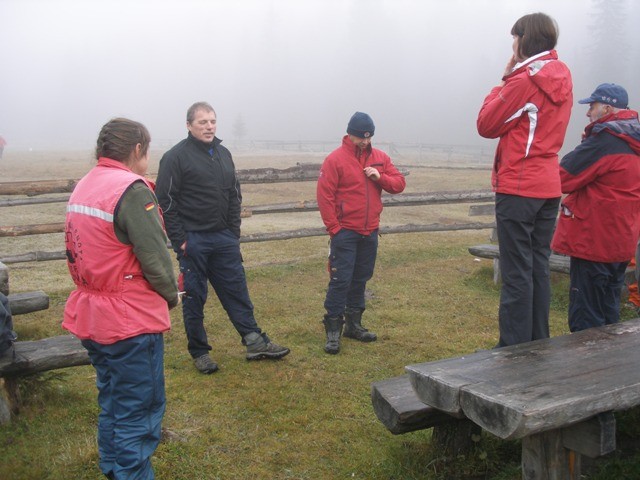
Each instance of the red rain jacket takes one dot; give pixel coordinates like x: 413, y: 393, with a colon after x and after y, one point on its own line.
x: 346, y: 197
x: 529, y: 114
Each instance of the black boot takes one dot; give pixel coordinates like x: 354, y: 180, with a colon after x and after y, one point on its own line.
x: 354, y: 329
x: 333, y: 327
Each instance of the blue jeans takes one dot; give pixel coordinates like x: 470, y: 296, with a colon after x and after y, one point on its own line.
x: 130, y: 381
x: 525, y: 228
x: 594, y: 295
x: 214, y: 257
x: 351, y: 262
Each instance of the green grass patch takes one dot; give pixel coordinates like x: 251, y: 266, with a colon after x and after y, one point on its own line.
x: 308, y: 416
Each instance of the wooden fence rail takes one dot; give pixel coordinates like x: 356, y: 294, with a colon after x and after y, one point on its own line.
x: 410, y: 199
x: 298, y: 173
x: 284, y: 235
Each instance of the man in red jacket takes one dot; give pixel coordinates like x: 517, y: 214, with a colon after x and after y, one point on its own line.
x: 599, y: 222
x: 351, y: 181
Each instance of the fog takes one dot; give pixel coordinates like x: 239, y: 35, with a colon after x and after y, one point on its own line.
x: 286, y: 69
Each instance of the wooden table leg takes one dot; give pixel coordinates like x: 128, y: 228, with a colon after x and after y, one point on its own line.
x: 544, y: 457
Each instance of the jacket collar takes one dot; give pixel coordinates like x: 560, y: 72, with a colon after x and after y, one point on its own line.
x: 623, y: 124
x: 542, y: 56
x: 111, y: 163
x: 351, y: 147
x: 205, y: 146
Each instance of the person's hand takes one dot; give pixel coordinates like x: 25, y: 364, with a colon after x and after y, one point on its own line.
x: 372, y: 173
x: 183, y: 247
x: 510, y: 64
x: 180, y: 294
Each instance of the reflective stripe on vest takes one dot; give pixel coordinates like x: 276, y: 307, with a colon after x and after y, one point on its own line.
x: 90, y: 211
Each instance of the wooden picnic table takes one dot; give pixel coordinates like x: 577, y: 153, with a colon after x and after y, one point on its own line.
x: 540, y: 391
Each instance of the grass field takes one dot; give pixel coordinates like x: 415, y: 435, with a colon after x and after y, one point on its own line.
x: 308, y: 416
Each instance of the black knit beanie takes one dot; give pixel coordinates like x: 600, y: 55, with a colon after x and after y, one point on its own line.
x: 361, y: 125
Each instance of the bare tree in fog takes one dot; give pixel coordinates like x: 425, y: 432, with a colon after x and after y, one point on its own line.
x: 239, y: 129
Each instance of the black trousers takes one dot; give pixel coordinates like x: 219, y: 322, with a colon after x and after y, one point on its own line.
x: 594, y: 296
x: 525, y: 228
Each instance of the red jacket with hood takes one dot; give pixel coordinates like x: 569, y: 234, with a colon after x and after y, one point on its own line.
x: 113, y: 301
x: 529, y: 114
x: 600, y: 218
x: 346, y: 197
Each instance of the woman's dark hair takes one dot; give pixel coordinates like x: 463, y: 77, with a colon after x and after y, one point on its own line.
x: 119, y: 137
x: 538, y: 32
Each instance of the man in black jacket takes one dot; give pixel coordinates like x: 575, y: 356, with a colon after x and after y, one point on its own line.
x: 200, y: 197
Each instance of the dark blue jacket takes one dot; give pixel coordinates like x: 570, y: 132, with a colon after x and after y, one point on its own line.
x: 600, y: 217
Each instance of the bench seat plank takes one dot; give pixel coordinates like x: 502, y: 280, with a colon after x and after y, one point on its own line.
x: 42, y: 355
x: 21, y: 303
x: 398, y: 408
x: 517, y: 391
x: 557, y: 263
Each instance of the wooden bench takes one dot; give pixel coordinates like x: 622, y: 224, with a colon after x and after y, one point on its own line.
x: 557, y: 263
x: 21, y: 303
x: 30, y: 357
x: 397, y: 406
x: 27, y: 302
x: 558, y: 395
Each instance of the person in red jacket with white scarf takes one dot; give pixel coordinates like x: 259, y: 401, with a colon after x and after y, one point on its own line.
x: 351, y: 182
x: 529, y: 111
x: 599, y: 222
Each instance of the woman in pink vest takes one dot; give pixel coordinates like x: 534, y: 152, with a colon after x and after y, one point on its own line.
x: 125, y: 285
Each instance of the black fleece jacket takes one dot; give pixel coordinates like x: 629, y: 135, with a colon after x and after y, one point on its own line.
x: 197, y: 190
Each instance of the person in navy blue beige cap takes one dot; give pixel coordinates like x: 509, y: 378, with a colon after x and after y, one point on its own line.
x: 349, y: 189
x: 599, y: 221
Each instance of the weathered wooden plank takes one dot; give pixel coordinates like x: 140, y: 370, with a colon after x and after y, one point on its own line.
x: 38, y: 229
x: 38, y: 256
x: 297, y: 173
x: 15, y: 202
x: 301, y: 172
x: 525, y: 389
x: 438, y: 383
x: 26, y: 302
x: 557, y: 263
x: 593, y: 437
x: 37, y: 187
x: 398, y: 408
x: 4, y: 279
x: 284, y: 235
x: 41, y: 355
x: 544, y: 458
x: 482, y: 210
x: 403, y: 199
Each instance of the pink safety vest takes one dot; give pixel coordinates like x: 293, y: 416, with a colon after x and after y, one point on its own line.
x: 113, y: 301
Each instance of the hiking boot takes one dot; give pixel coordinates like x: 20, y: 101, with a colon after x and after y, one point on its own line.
x: 353, y: 327
x: 333, y: 328
x: 205, y: 365
x: 259, y: 348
